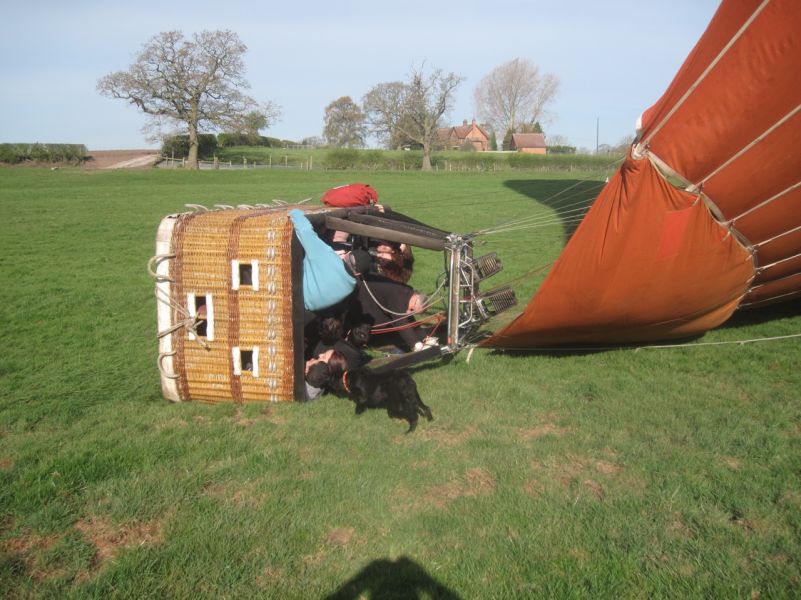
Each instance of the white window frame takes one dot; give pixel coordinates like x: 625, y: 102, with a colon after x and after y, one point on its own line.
x: 192, y: 306
x: 235, y: 280
x: 236, y: 356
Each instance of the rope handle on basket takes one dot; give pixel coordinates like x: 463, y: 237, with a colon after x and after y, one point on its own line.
x: 161, y: 357
x: 153, y: 263
x: 190, y: 324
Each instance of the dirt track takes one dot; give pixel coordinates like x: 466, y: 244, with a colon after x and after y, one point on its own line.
x: 121, y: 159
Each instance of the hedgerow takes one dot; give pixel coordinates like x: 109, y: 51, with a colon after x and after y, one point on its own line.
x: 42, y: 153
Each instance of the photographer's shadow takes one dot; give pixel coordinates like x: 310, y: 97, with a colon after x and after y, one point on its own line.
x: 384, y: 578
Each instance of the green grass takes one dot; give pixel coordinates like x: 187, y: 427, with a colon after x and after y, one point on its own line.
x: 658, y: 473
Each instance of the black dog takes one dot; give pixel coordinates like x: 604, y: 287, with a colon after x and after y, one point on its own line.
x: 394, y: 390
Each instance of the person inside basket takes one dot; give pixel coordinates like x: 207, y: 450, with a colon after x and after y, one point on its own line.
x: 326, y: 281
x: 322, y: 370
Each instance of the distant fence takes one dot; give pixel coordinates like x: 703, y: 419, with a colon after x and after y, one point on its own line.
x: 284, y: 162
x: 376, y: 160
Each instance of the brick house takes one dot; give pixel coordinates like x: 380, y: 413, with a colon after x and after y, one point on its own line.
x: 454, y: 138
x: 530, y: 143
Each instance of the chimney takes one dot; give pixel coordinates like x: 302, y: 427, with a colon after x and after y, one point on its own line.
x: 464, y: 122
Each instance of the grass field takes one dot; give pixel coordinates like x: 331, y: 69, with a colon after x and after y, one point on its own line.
x: 651, y: 473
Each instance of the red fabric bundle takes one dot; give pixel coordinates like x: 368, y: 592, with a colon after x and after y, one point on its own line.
x: 354, y: 194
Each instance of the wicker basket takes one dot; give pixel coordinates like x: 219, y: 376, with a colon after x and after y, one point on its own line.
x: 227, y: 307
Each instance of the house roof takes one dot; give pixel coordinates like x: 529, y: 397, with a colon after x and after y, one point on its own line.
x: 461, y: 132
x: 528, y: 140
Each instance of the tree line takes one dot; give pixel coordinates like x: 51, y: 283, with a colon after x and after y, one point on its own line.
x: 189, y: 85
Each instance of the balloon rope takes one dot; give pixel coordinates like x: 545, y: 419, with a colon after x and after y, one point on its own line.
x: 703, y: 75
x: 650, y: 347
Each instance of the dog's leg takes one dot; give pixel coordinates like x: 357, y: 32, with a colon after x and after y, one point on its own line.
x: 422, y: 408
x: 410, y: 413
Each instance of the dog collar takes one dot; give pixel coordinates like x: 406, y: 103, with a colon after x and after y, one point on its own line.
x: 345, y: 381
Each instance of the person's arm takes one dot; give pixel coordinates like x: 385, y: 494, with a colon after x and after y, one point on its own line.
x: 325, y: 280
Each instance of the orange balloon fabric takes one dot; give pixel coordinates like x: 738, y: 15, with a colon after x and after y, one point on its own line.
x: 647, y: 262
x: 653, y: 262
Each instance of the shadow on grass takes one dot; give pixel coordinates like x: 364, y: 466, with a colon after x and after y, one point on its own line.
x: 758, y: 316
x: 742, y: 318
x: 567, y: 197
x: 384, y: 578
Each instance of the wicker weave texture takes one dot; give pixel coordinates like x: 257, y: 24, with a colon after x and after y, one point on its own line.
x: 253, y: 320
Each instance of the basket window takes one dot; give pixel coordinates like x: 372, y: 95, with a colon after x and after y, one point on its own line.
x: 201, y: 307
x: 246, y: 360
x: 245, y: 274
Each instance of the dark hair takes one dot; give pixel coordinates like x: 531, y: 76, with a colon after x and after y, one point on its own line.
x: 319, y: 375
x: 337, y: 364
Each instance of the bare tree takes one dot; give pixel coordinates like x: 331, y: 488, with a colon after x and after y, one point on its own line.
x: 412, y: 110
x: 189, y: 84
x: 514, y: 94
x: 344, y: 124
x: 383, y: 109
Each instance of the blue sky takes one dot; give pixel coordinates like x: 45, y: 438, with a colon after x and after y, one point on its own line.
x: 613, y: 59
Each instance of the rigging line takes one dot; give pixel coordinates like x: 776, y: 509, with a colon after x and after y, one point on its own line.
x: 436, y: 318
x: 545, y: 223
x: 460, y: 202
x: 706, y: 72
x: 582, y: 206
x: 653, y: 346
x: 189, y: 322
x: 168, y: 299
x: 726, y: 343
x: 773, y: 264
x: 572, y: 221
x: 557, y: 194
x: 423, y: 319
x: 483, y: 196
x: 753, y: 143
x: 559, y: 206
x: 776, y: 237
x: 771, y: 299
x: 772, y: 281
x: 531, y: 273
x: 585, y: 203
x: 569, y: 223
x: 542, y: 217
x: 425, y: 306
x: 764, y: 203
